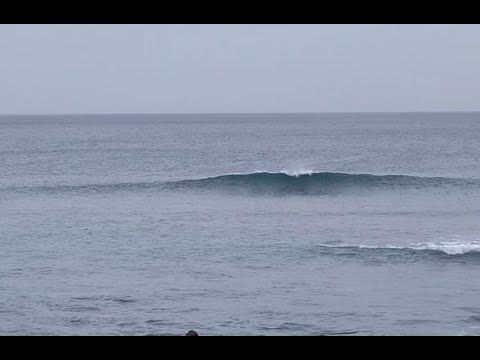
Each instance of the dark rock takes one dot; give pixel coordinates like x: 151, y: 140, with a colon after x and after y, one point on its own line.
x: 192, y: 333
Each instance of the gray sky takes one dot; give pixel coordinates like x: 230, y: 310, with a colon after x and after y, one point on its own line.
x: 238, y: 68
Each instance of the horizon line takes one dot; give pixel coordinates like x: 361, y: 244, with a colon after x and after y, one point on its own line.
x: 240, y: 113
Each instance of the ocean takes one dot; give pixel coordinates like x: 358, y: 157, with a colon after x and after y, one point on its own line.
x: 240, y: 224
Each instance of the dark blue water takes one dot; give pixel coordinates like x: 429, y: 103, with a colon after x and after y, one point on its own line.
x: 291, y: 224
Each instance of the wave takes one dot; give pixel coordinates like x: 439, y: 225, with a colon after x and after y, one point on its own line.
x: 321, y: 183
x: 281, y: 183
x: 446, y: 248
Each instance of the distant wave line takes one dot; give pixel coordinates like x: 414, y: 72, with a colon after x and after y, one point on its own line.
x: 279, y: 183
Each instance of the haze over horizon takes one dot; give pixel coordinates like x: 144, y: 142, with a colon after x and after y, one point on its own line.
x: 154, y: 69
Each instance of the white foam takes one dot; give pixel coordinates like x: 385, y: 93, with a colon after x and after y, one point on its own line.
x: 450, y: 248
x: 297, y: 173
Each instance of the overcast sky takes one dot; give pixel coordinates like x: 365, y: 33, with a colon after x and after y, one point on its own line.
x: 238, y: 68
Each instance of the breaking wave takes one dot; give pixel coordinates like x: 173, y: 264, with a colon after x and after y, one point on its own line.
x: 447, y: 248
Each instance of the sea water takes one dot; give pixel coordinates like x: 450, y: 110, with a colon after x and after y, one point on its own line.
x: 247, y: 224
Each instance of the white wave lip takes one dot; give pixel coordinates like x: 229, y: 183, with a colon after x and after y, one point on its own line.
x: 297, y: 173
x: 451, y: 248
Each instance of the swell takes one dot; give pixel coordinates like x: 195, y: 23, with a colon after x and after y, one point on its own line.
x: 266, y: 183
x: 323, y: 182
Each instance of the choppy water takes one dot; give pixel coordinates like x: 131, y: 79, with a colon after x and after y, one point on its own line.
x: 291, y: 224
